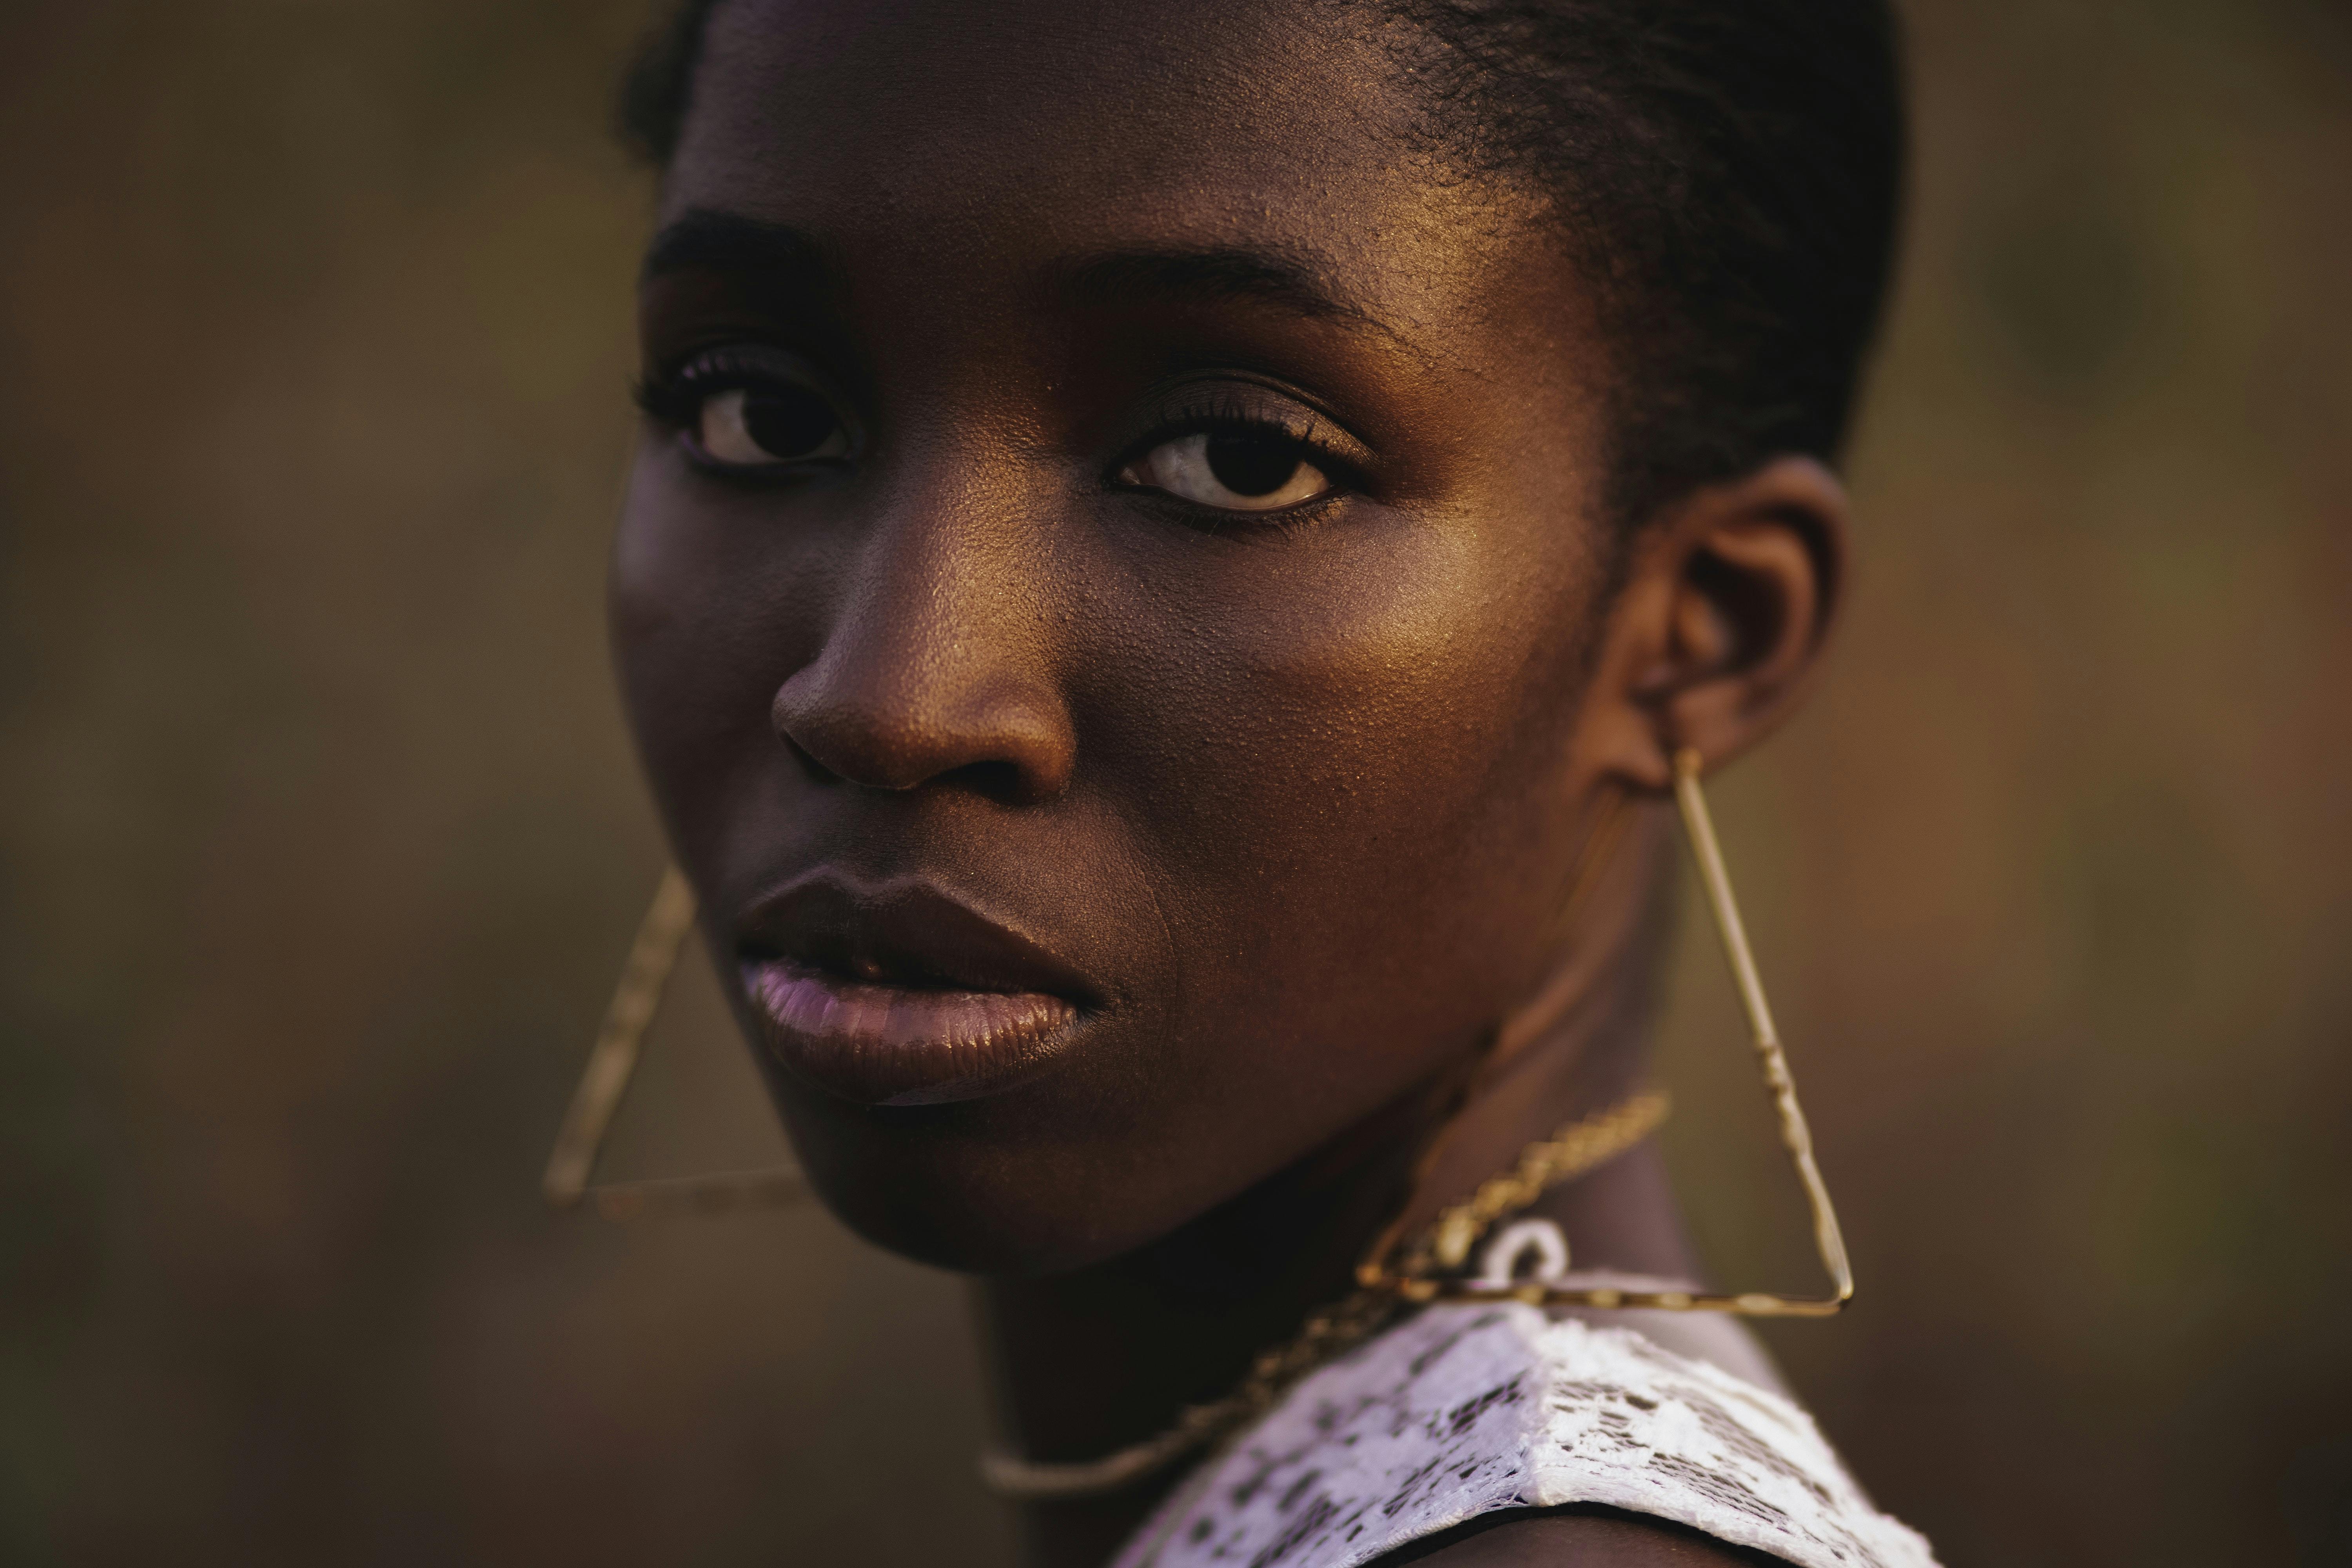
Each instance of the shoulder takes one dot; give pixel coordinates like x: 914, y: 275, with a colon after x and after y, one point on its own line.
x: 1505, y: 1436
x: 1571, y: 1538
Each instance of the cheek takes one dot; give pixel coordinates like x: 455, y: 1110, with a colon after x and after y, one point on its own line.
x: 648, y: 588
x: 702, y: 613
x: 1368, y: 738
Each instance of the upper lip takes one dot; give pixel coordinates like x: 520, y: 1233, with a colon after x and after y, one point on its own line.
x: 904, y: 932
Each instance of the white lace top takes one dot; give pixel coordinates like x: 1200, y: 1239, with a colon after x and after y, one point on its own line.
x: 1465, y: 1409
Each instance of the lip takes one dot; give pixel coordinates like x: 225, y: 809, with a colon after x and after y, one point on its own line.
x: 901, y: 994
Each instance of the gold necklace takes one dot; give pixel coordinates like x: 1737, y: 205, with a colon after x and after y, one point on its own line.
x: 1381, y: 1294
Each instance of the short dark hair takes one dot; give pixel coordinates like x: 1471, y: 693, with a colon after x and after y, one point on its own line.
x: 1729, y: 171
x: 660, y: 82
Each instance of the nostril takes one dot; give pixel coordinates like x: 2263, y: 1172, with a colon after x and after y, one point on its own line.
x: 1006, y: 782
x: 818, y: 771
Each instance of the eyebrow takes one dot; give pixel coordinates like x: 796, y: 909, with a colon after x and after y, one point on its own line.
x: 1211, y: 276
x: 782, y: 255
x: 730, y: 242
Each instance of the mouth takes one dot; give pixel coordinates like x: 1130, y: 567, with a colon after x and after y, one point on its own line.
x: 902, y: 995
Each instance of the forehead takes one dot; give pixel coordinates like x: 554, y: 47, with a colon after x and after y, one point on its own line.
x: 968, y: 137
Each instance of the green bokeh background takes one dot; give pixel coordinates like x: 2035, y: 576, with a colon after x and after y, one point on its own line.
x: 320, y: 841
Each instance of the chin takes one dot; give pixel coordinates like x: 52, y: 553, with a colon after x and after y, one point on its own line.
x: 997, y: 1219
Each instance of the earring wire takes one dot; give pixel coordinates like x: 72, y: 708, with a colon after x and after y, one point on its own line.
x: 1796, y: 1135
x: 613, y: 1061
x: 1382, y: 1290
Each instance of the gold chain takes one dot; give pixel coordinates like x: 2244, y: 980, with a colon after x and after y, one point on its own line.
x: 1571, y: 1152
x: 1580, y: 1147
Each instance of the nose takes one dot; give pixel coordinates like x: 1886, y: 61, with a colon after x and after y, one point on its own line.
x: 935, y: 669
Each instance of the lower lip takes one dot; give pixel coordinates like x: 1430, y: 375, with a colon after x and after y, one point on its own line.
x: 893, y: 1044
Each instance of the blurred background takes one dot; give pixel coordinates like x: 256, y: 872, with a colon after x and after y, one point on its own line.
x: 321, y: 845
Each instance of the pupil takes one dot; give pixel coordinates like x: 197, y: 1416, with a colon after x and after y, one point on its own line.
x: 1252, y: 465
x: 787, y: 421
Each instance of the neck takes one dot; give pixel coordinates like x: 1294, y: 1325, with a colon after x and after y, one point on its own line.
x: 1092, y: 1360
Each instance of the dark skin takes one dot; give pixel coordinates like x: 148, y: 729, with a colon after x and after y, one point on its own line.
x: 1294, y: 796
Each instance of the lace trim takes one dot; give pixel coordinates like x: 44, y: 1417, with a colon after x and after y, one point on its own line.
x: 1466, y: 1409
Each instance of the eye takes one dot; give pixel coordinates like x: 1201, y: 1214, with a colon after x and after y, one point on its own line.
x: 750, y: 408
x: 1232, y: 470
x: 767, y: 423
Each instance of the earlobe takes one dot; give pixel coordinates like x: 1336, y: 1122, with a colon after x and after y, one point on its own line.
x: 1721, y: 622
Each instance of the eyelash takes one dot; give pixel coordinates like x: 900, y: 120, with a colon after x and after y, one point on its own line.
x: 1224, y: 412
x: 675, y: 394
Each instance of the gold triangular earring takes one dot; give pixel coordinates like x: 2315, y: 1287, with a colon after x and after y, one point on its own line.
x: 1409, y: 1270
x: 613, y: 1061
x: 1796, y: 1136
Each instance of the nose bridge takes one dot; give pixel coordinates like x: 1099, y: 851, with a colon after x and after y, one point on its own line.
x: 935, y: 662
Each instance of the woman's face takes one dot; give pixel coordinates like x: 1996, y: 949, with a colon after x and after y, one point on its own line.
x: 1103, y: 599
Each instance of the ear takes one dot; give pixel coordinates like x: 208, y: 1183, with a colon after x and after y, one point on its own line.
x: 1725, y: 609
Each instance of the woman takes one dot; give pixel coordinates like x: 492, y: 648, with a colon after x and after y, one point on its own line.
x: 1174, y: 553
